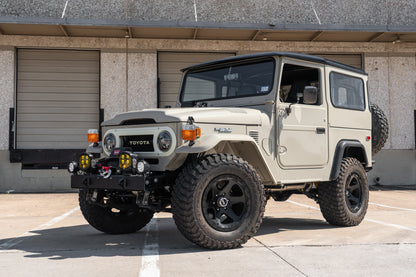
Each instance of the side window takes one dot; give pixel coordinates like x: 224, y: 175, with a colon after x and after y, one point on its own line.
x: 294, y: 80
x: 347, y: 92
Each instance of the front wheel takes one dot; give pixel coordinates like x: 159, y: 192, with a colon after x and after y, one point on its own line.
x: 218, y: 201
x: 118, y: 216
x: 344, y: 201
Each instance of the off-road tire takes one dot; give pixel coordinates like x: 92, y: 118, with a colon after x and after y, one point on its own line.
x: 110, y: 222
x: 210, y: 183
x: 344, y: 201
x: 380, y: 128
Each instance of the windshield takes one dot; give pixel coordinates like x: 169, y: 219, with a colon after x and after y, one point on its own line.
x: 230, y: 81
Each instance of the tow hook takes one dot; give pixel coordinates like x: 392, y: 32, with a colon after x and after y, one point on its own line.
x: 105, y: 172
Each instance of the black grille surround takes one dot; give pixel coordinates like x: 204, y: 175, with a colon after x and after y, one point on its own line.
x: 139, y: 143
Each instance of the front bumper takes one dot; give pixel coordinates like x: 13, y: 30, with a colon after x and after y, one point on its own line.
x: 114, y: 182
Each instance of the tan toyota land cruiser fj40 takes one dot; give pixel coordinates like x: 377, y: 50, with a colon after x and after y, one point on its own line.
x: 246, y: 129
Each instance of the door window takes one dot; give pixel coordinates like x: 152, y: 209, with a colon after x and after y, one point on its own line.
x: 294, y: 80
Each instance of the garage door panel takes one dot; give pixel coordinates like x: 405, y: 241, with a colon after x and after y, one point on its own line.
x: 354, y: 60
x: 170, y: 74
x: 57, y: 76
x: 57, y: 98
x: 54, y: 117
x: 53, y: 83
x: 55, y: 110
x: 55, y: 125
x: 68, y: 90
x: 57, y: 55
x: 56, y: 104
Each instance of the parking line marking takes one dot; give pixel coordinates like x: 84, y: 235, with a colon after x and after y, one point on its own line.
x: 14, y: 241
x: 391, y: 207
x: 391, y: 224
x: 366, y: 219
x: 303, y: 205
x: 150, y: 252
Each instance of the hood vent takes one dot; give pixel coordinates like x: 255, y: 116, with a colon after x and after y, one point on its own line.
x: 254, y: 135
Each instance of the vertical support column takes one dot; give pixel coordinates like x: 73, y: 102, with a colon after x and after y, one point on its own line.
x: 142, y: 81
x: 7, y: 70
x: 113, y: 83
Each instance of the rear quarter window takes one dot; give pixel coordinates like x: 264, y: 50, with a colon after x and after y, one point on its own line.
x: 347, y: 92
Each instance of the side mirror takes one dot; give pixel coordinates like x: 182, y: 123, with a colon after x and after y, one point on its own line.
x: 310, y: 95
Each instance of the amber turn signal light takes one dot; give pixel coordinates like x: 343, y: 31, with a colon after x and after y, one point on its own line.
x: 190, y: 132
x: 93, y: 135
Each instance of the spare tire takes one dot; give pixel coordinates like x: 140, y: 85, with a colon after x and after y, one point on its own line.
x: 379, y: 128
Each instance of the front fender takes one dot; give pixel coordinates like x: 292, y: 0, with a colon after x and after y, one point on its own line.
x: 244, y: 146
x: 208, y: 142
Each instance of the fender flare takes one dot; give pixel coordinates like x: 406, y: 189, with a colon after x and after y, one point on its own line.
x: 343, y: 147
x: 208, y: 142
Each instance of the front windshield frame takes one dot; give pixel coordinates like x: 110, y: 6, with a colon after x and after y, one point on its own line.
x: 227, y: 66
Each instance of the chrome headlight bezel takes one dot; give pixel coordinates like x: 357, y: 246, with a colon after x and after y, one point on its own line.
x: 109, y: 143
x: 164, y: 141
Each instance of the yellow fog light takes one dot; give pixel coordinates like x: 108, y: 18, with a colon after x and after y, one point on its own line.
x: 85, y: 161
x: 124, y: 161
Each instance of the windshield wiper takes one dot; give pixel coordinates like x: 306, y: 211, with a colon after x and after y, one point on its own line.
x: 200, y: 104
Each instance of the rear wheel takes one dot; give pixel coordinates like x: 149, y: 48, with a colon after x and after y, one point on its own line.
x: 218, y: 201
x: 117, y: 216
x: 344, y: 201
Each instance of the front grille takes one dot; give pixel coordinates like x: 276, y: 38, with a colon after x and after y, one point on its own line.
x: 141, y: 143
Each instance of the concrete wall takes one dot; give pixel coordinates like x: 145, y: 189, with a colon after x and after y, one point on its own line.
x: 129, y: 82
x: 303, y: 12
x: 392, y: 84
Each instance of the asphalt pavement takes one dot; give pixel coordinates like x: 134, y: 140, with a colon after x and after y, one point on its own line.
x: 46, y: 235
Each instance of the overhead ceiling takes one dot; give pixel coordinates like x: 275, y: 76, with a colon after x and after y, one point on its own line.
x: 204, y: 33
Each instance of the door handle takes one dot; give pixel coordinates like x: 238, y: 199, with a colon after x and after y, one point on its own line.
x: 320, y: 130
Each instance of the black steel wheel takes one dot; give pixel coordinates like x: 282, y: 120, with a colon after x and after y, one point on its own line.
x: 218, y: 201
x: 224, y: 202
x: 344, y: 201
x: 118, y: 216
x: 353, y: 192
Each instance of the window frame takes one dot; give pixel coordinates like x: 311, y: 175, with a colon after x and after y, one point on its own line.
x: 321, y: 73
x: 226, y: 65
x: 363, y: 108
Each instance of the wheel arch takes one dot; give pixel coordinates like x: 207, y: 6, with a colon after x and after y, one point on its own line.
x: 344, y: 149
x: 239, y: 145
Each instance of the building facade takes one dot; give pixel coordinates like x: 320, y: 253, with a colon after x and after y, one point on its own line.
x: 65, y: 66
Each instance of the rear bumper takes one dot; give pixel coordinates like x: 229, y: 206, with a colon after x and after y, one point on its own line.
x: 115, y: 182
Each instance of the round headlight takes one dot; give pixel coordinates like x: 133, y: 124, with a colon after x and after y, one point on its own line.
x: 164, y: 140
x: 109, y: 142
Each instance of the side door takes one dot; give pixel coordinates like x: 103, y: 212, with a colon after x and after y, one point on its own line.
x: 302, y: 128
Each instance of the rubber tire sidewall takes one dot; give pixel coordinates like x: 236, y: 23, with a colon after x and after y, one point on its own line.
x: 333, y: 200
x: 188, y: 194
x: 104, y: 220
x: 251, y: 211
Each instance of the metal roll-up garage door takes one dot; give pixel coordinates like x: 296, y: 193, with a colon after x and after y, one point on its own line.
x: 170, y: 74
x: 57, y: 98
x: 354, y: 60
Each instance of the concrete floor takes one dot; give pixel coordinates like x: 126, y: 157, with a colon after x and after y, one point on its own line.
x: 46, y: 235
